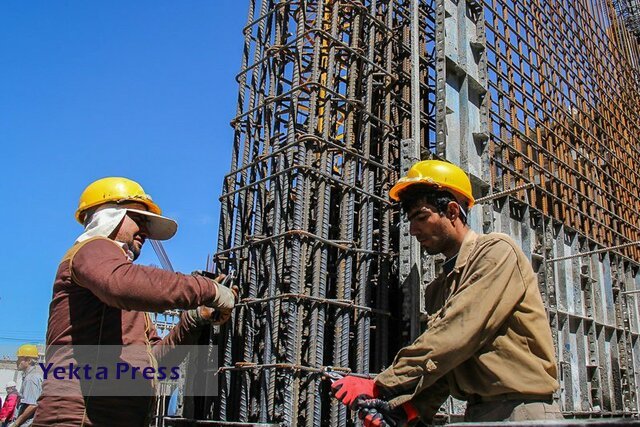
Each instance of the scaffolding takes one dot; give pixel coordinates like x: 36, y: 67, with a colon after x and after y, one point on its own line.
x: 538, y: 100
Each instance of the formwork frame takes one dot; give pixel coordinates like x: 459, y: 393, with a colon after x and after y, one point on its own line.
x: 562, y: 104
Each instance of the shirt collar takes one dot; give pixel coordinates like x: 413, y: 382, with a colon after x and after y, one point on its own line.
x: 468, y: 244
x: 28, y: 370
x: 126, y: 250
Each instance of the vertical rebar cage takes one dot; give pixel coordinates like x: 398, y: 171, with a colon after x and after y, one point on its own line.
x: 306, y: 221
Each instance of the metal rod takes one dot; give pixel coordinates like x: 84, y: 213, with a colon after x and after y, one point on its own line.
x: 415, y: 73
x: 507, y: 192
x: 158, y: 248
x: 597, y: 251
x: 335, y: 302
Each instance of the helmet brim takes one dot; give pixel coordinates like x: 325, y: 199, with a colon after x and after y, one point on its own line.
x: 158, y: 227
x: 402, y: 184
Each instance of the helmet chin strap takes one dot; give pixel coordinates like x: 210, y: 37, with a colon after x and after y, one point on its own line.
x: 462, y: 211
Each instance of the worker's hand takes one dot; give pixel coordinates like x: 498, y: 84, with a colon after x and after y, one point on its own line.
x: 214, y: 316
x: 351, y: 388
x: 372, y: 418
x: 225, y: 298
x: 378, y: 413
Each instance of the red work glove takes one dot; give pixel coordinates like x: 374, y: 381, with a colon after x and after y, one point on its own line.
x: 372, y: 418
x: 348, y: 389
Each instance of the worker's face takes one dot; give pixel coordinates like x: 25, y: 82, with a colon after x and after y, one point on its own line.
x: 132, y: 230
x: 434, y: 231
x: 23, y: 363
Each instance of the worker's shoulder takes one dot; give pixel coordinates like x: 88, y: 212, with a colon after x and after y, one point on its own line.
x: 497, y: 242
x: 35, y: 374
x: 98, y: 242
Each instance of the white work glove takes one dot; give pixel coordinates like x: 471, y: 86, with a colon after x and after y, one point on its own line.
x: 225, y: 298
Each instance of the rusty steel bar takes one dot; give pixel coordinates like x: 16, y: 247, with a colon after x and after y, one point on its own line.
x: 597, y: 251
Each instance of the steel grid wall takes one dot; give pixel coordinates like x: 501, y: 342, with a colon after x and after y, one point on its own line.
x: 556, y: 85
x: 564, y: 114
x: 306, y: 222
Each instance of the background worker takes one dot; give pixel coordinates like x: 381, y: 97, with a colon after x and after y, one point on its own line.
x: 10, y: 403
x: 31, y: 386
x: 487, y: 340
x: 101, y: 299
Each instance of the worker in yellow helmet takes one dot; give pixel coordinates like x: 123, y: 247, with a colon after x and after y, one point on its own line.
x: 31, y: 386
x: 487, y: 339
x: 101, y: 299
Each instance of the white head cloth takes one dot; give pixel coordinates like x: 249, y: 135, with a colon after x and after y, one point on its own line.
x: 102, y: 222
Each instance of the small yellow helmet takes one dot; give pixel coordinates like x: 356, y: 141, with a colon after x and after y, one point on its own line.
x: 115, y: 190
x: 27, y: 350
x: 439, y: 174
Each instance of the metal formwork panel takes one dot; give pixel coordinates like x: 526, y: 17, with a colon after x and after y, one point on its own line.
x: 563, y: 113
x: 556, y: 161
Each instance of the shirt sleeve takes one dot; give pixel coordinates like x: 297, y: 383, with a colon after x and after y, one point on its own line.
x: 101, y: 266
x: 429, y: 400
x: 471, y: 316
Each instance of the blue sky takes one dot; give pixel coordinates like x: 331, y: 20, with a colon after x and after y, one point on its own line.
x: 142, y: 89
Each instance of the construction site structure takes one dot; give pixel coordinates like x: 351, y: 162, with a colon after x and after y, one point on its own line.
x: 538, y: 100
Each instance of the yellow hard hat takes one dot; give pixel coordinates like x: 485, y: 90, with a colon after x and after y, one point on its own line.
x: 442, y: 175
x: 114, y: 190
x: 27, y: 350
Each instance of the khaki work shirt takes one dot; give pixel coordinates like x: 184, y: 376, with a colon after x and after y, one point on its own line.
x: 487, y: 332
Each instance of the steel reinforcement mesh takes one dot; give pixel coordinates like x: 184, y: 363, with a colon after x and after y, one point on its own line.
x: 565, y: 113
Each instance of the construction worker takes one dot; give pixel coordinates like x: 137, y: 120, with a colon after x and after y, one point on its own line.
x: 487, y: 340
x: 10, y: 404
x: 31, y: 387
x: 101, y: 299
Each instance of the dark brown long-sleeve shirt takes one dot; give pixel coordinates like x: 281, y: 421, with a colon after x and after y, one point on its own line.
x: 100, y: 298
x: 487, y: 333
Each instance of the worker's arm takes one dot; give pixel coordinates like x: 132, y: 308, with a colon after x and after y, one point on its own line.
x: 29, y: 412
x: 101, y: 266
x: 471, y: 316
x: 171, y: 349
x: 428, y: 402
